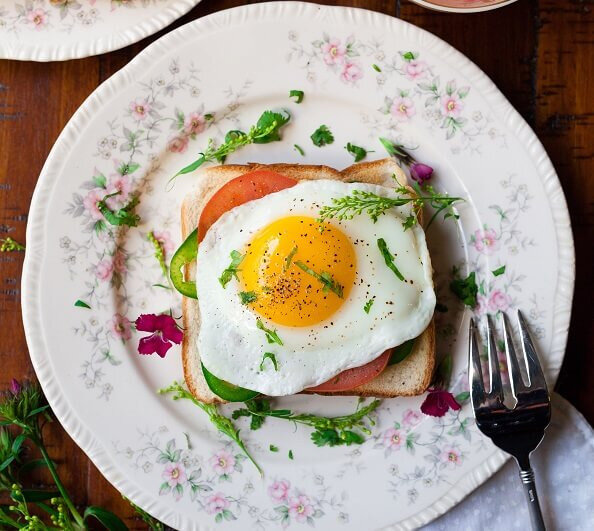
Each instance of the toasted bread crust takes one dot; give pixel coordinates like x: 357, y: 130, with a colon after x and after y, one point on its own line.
x: 407, y: 378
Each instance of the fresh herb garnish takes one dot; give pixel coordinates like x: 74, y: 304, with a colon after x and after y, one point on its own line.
x: 271, y: 335
x: 499, y: 271
x: 368, y: 306
x: 82, y: 304
x: 389, y: 259
x: 299, y: 149
x: 289, y: 258
x: 322, y: 136
x: 297, y: 94
x: 267, y: 129
x: 8, y: 244
x: 231, y: 271
x: 123, y: 216
x: 465, y: 289
x: 324, y: 277
x: 329, y: 431
x: 273, y: 448
x: 376, y: 68
x: 356, y: 151
x: 222, y: 423
x: 361, y: 201
x: 271, y: 357
x: 290, y: 454
x: 247, y: 296
x: 159, y: 253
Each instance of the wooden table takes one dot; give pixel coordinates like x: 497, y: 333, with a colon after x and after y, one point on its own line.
x: 539, y: 53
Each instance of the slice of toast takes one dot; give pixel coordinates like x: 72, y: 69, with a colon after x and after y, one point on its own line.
x: 407, y: 378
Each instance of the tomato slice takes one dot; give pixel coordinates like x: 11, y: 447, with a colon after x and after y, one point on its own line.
x: 238, y: 191
x: 355, y: 377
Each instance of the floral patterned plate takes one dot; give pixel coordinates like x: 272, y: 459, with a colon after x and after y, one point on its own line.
x: 364, y: 75
x: 57, y: 30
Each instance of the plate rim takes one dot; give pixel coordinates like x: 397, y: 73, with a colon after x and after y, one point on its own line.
x: 49, y: 176
x: 109, y: 42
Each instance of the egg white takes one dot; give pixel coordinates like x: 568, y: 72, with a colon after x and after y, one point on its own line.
x: 232, y: 347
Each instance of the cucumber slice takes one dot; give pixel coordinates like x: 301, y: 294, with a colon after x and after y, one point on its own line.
x: 186, y: 254
x: 226, y: 390
x: 402, y: 352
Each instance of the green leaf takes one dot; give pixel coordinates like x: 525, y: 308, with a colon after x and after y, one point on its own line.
x: 499, y: 271
x: 231, y: 271
x: 123, y: 216
x: 298, y: 94
x: 299, y: 149
x: 17, y: 443
x: 401, y: 352
x: 465, y: 289
x: 247, y: 296
x: 324, y: 277
x: 272, y: 121
x: 322, y: 136
x: 6, y: 463
x: 271, y: 335
x: 81, y: 304
x: 462, y: 397
x: 388, y: 258
x: 368, y: 305
x: 273, y: 448
x: 127, y: 169
x: 272, y: 358
x: 356, y: 151
x: 107, y: 518
x: 37, y: 410
x: 291, y: 454
x: 376, y: 68
x: 409, y: 56
x: 100, y: 181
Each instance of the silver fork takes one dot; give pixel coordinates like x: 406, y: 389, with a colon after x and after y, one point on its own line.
x: 517, y: 431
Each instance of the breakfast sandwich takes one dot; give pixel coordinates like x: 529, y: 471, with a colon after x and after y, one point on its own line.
x: 291, y: 301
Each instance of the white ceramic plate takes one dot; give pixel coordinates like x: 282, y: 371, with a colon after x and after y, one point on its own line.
x: 463, y: 6
x: 57, y: 30
x: 164, y: 455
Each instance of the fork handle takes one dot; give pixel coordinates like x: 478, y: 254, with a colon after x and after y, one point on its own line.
x: 527, y: 476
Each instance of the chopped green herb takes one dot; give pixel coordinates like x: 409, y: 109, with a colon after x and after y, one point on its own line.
x: 266, y: 130
x: 322, y: 136
x: 271, y: 335
x: 271, y: 357
x: 123, y: 216
x: 273, y: 448
x: 328, y: 431
x: 8, y: 244
x: 290, y: 454
x: 499, y: 271
x: 82, y: 304
x: 376, y: 68
x: 296, y: 94
x: 222, y: 423
x: 247, y: 296
x: 356, y: 151
x: 208, y: 117
x: 389, y: 259
x: 465, y: 289
x: 256, y: 421
x: 325, y: 278
x: 299, y: 149
x: 231, y: 271
x: 368, y: 306
x: 289, y: 258
x: 159, y: 253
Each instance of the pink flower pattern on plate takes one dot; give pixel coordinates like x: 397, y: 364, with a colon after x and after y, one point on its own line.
x: 451, y: 105
x: 120, y: 326
x: 178, y: 144
x: 411, y: 418
x: 223, y: 462
x: 90, y: 203
x: 118, y: 183
x: 393, y: 439
x: 119, y: 262
x: 38, y: 17
x: 415, y: 69
x: 351, y: 72
x: 279, y: 490
x: 174, y: 474
x: 104, y: 270
x: 216, y: 503
x: 300, y: 508
x: 498, y: 301
x: 333, y: 52
x: 485, y: 241
x: 403, y: 108
x: 451, y: 457
x: 140, y: 109
x: 194, y: 124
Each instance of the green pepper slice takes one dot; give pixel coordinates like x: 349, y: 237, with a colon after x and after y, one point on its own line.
x: 186, y: 254
x: 401, y: 352
x: 226, y: 390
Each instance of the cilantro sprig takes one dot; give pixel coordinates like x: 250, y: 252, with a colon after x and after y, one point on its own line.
x: 322, y: 136
x: 271, y: 335
x: 247, y: 296
x: 222, y: 423
x: 388, y: 258
x: 466, y: 289
x: 297, y: 94
x: 122, y: 216
x: 324, y: 277
x: 266, y: 130
x: 357, y: 152
x: 231, y: 271
x: 328, y: 431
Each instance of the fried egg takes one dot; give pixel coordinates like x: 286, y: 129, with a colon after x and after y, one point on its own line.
x: 317, y: 298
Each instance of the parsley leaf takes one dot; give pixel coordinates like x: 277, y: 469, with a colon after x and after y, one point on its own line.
x: 356, y: 151
x: 82, y: 304
x: 465, y: 289
x: 299, y: 149
x: 123, y: 216
x: 324, y: 277
x: 368, y: 306
x: 271, y: 335
x: 272, y: 358
x: 269, y: 125
x: 322, y: 136
x: 290, y: 454
x: 231, y: 271
x: 297, y: 94
x: 499, y: 271
x: 289, y: 258
x: 247, y: 296
x: 389, y: 259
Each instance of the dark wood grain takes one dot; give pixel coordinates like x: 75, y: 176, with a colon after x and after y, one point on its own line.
x: 540, y: 54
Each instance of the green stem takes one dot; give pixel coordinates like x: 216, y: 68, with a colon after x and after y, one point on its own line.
x: 64, y: 494
x: 5, y: 519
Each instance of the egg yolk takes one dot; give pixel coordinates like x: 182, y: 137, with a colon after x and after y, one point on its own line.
x: 300, y: 276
